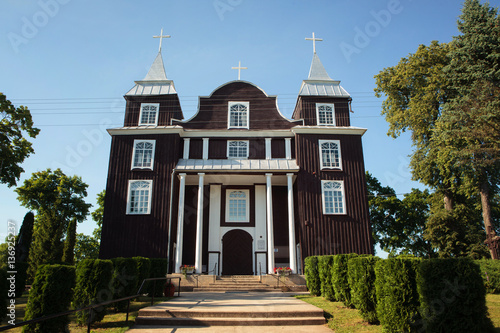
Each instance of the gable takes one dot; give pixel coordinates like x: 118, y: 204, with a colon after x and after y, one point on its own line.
x: 213, y: 111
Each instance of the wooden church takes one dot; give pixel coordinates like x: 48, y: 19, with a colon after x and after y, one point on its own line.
x: 238, y: 189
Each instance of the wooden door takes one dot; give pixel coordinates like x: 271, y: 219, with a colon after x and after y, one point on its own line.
x: 237, y: 253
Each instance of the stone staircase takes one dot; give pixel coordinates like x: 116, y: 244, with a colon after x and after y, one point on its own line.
x: 231, y: 309
x: 236, y: 283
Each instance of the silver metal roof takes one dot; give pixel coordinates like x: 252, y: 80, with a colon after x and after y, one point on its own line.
x: 233, y: 165
x: 155, y: 82
x: 322, y: 88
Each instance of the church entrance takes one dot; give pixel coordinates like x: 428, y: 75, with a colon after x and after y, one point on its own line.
x: 237, y: 253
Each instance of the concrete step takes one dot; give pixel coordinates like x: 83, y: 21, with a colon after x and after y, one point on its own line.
x: 149, y: 313
x: 233, y: 321
x: 235, y: 289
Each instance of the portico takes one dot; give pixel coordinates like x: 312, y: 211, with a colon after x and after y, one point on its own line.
x: 244, y: 211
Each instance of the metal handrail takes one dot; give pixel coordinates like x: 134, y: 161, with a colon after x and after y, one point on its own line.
x: 93, y: 306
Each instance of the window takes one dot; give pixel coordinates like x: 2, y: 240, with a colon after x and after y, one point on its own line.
x: 237, y: 206
x: 143, y: 154
x: 325, y: 114
x: 237, y: 149
x: 149, y: 114
x: 333, y: 196
x: 329, y: 153
x: 139, y: 196
x: 238, y: 114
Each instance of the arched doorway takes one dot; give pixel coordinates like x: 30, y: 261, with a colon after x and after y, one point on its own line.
x: 237, y: 253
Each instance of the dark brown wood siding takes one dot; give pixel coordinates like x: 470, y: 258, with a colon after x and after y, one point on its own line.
x: 213, y: 110
x: 138, y: 235
x: 306, y: 109
x: 332, y: 234
x: 170, y: 108
x: 196, y: 148
x: 278, y: 148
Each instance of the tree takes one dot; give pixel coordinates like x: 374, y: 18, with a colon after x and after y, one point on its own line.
x: 399, y: 225
x: 58, y: 199
x: 69, y: 244
x: 416, y: 90
x: 97, y: 215
x: 23, y: 240
x: 14, y: 148
x: 467, y: 134
x: 86, y: 247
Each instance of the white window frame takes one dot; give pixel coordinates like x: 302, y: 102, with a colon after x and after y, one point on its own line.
x: 343, y: 210
x: 135, y: 152
x: 131, y: 184
x: 318, y: 105
x: 237, y: 157
x: 322, y: 162
x: 157, y: 105
x: 247, y: 206
x: 247, y: 105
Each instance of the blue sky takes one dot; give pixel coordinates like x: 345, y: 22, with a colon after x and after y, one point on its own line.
x: 71, y: 61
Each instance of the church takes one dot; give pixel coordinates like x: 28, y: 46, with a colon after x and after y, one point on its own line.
x: 238, y: 189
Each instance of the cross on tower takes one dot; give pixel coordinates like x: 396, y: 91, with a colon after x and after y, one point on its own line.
x: 161, y: 36
x: 239, y: 68
x: 314, y: 41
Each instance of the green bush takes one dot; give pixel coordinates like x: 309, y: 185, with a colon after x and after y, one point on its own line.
x: 312, y: 275
x: 339, y: 278
x: 325, y: 275
x: 124, y: 280
x: 143, y: 269
x: 396, y: 293
x: 50, y: 293
x: 93, y: 286
x: 361, y: 278
x: 490, y: 272
x: 158, y: 269
x: 21, y: 277
x: 452, y: 297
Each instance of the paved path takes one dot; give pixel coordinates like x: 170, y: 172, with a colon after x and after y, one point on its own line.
x: 235, y: 302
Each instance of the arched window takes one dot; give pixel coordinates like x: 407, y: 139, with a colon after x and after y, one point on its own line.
x: 333, y: 196
x: 238, y: 115
x: 329, y: 151
x: 143, y: 154
x: 237, y: 206
x: 139, y: 196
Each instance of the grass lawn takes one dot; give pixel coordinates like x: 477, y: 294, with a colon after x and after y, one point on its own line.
x: 112, y: 322
x: 344, y: 320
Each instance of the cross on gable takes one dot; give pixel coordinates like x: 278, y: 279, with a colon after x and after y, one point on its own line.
x: 239, y: 68
x: 161, y: 36
x: 314, y: 41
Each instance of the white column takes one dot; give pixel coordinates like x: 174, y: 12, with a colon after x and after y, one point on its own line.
x: 180, y: 224
x: 288, y: 148
x: 199, y: 225
x: 268, y: 148
x: 185, y: 154
x: 291, y: 225
x: 270, y: 235
x: 205, y: 148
